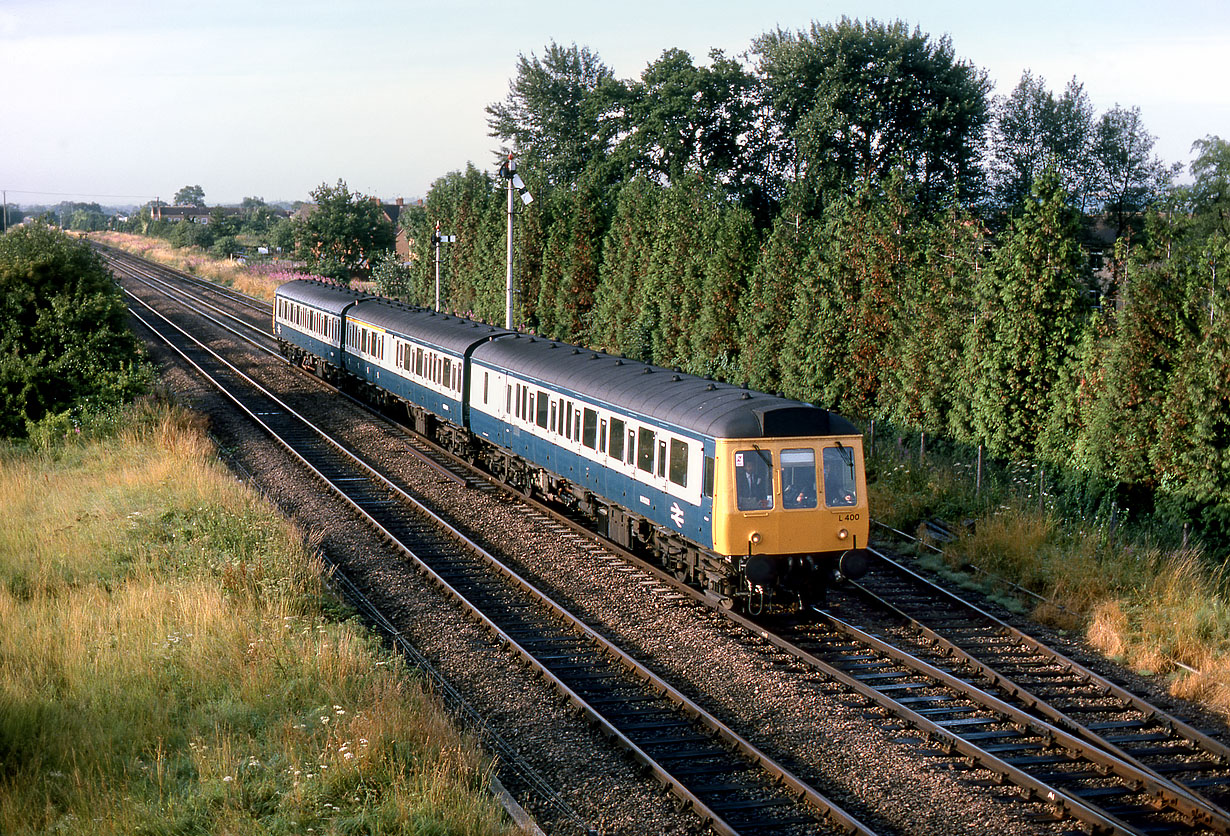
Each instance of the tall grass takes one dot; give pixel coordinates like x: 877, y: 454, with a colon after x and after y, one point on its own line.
x: 170, y: 662
x: 1158, y: 610
x: 196, y: 262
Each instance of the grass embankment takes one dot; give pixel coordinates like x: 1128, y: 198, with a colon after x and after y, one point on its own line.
x: 171, y: 663
x: 1154, y: 609
x: 260, y: 283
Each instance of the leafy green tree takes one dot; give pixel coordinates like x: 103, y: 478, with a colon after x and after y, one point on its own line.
x: 924, y: 387
x: 282, y: 235
x: 1033, y: 131
x: 1210, y: 191
x: 344, y: 233
x: 65, y: 348
x: 189, y: 196
x: 617, y: 324
x: 1193, y: 449
x: 393, y: 278
x: 1129, y: 176
x: 838, y: 346
x: 1030, y: 312
x: 855, y: 101
x: 552, y: 118
x: 187, y: 233
x: 765, y: 312
x: 1141, y: 354
x: 680, y: 119
x: 470, y: 205
x: 727, y: 263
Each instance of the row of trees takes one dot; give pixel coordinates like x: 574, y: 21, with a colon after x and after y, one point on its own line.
x: 853, y: 221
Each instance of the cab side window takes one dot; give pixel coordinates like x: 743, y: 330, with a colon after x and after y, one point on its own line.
x: 840, y: 482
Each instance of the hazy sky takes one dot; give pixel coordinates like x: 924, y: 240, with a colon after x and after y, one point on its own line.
x: 122, y: 101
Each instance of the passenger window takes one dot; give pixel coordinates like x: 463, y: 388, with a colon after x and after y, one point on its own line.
x: 568, y: 420
x: 679, y: 462
x: 589, y: 430
x: 632, y: 444
x: 448, y: 375
x: 661, y: 459
x: 754, y: 480
x: 602, y: 436
x: 554, y: 415
x: 617, y: 439
x: 644, y: 459
x: 543, y: 405
x: 840, y: 482
x: 486, y: 385
x: 709, y: 471
x: 799, y: 478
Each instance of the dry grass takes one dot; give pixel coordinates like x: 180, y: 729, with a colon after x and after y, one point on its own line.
x: 1158, y: 612
x: 168, y: 663
x: 194, y: 261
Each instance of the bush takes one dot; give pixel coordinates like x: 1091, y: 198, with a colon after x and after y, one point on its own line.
x: 66, y: 348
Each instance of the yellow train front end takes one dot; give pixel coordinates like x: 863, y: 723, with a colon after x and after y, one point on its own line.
x: 793, y: 510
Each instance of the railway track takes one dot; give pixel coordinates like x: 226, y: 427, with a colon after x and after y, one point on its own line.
x: 730, y: 784
x: 1100, y: 755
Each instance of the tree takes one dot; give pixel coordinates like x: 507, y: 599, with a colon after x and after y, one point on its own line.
x: 65, y: 348
x: 392, y: 277
x: 1211, y: 183
x: 1129, y: 177
x: 1029, y: 316
x: 855, y: 101
x: 551, y: 118
x: 190, y: 196
x: 682, y: 119
x: 1034, y: 131
x: 625, y: 265
x: 344, y: 233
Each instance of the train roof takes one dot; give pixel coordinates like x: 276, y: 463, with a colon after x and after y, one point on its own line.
x: 706, y: 407
x: 330, y: 298
x: 451, y: 333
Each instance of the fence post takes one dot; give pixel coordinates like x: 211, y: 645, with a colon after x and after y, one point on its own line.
x: 978, y: 475
x: 871, y: 444
x: 922, y: 446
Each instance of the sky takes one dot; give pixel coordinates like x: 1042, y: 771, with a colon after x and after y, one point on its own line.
x: 125, y: 101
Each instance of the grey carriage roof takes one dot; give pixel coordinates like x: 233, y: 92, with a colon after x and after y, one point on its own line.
x: 450, y: 333
x: 691, y: 403
x: 330, y: 298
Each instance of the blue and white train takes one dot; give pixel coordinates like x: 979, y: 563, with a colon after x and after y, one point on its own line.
x: 744, y: 494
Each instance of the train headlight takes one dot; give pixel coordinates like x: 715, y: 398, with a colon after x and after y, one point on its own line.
x: 755, y: 538
x: 843, y: 534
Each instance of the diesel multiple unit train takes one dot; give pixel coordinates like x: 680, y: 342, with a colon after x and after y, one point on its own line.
x: 754, y: 498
